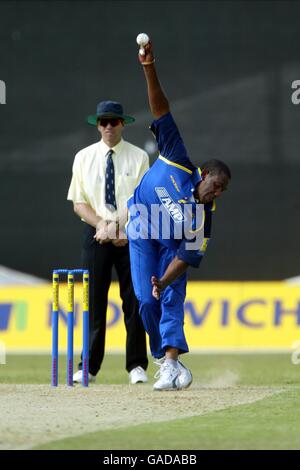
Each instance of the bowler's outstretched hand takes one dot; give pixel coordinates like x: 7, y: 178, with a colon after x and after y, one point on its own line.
x: 148, y: 58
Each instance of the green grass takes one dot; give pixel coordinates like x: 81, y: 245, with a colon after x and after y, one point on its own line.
x: 250, y: 369
x: 36, y: 369
x: 271, y: 423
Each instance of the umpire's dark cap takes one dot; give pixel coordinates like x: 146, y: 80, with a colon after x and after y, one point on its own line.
x: 109, y: 109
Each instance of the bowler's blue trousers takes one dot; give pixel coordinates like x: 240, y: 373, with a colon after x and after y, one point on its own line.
x: 163, y: 319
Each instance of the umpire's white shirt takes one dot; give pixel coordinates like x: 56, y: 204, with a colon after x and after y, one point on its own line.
x: 88, y: 180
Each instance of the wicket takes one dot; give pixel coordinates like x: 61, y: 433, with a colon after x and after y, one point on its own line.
x: 70, y: 325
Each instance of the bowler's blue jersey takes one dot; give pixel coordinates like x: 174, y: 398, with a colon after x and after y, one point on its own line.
x: 170, y: 183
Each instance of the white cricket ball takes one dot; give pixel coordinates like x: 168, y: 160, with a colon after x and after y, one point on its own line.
x: 142, y: 39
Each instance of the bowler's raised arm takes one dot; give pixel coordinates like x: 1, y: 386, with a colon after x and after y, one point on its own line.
x: 158, y: 102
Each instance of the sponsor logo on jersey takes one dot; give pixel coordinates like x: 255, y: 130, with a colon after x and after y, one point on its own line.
x: 170, y: 205
x: 174, y: 183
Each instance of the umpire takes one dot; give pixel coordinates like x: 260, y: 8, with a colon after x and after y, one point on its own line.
x: 105, y: 175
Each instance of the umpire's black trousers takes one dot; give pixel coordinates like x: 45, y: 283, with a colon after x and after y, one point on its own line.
x: 99, y: 260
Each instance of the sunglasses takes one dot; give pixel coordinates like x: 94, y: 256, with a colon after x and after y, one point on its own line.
x: 112, y: 121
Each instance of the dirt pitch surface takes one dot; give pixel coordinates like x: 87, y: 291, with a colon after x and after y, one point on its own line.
x: 35, y: 414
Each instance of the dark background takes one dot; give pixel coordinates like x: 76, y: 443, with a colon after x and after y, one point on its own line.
x: 227, y: 68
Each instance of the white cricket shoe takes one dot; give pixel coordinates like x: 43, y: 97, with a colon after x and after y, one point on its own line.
x: 185, y: 377
x: 168, y: 376
x: 137, y: 375
x: 77, y: 377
